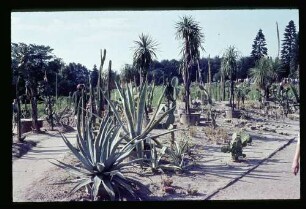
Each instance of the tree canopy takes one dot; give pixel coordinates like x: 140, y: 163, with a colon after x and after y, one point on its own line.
x: 259, y: 48
x: 289, y: 50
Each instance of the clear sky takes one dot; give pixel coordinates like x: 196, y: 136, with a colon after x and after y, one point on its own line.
x: 78, y: 36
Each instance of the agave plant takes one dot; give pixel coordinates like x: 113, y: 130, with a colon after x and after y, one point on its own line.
x: 102, y: 157
x: 156, y: 156
x: 176, y: 154
x: 134, y: 110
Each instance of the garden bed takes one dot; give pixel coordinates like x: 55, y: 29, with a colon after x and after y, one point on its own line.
x: 209, y: 168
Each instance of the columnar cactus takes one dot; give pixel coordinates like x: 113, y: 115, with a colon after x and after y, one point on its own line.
x: 100, y: 98
x: 171, y: 95
x: 108, y: 85
x: 151, y: 89
x: 45, y: 92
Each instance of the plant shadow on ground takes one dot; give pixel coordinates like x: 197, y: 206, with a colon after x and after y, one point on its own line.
x: 268, y: 137
x: 21, y: 148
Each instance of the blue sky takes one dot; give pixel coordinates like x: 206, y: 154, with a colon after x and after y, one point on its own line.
x: 79, y: 36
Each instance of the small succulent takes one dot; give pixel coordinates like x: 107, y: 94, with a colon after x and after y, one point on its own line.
x: 239, y: 140
x: 176, y: 153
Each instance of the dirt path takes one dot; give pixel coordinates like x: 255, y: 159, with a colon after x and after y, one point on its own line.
x: 32, y: 166
x: 271, y: 180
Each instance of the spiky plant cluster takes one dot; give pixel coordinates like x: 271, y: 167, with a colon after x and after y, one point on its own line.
x: 102, y: 156
x: 107, y: 150
x: 177, y: 154
x: 133, y: 115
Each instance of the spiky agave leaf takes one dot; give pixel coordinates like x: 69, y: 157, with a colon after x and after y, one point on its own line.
x: 73, y: 169
x: 131, y: 130
x: 176, y: 153
x: 127, y: 110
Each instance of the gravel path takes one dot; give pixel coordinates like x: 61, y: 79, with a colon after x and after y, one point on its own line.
x: 271, y: 180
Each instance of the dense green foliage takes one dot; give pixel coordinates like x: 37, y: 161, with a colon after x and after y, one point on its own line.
x: 289, y: 52
x: 259, y: 48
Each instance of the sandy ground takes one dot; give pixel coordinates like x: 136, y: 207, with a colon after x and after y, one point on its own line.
x: 210, y: 170
x: 273, y: 179
x: 35, y: 165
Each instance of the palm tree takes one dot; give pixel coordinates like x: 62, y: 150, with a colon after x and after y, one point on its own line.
x: 229, y: 68
x: 144, y: 53
x: 189, y: 31
x: 264, y: 74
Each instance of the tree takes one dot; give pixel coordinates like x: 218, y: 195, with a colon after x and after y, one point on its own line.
x: 72, y: 75
x: 288, y: 53
x: 55, y: 67
x: 94, y: 75
x: 188, y: 30
x: 129, y: 74
x: 229, y: 68
x: 163, y: 70
x: 243, y: 66
x: 259, y: 48
x: 294, y: 61
x: 143, y: 56
x: 29, y: 63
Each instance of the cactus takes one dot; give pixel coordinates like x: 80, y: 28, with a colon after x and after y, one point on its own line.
x: 156, y: 156
x: 100, y: 87
x: 295, y: 93
x: 45, y: 92
x: 108, y: 85
x: 151, y: 89
x: 211, y: 113
x: 246, y: 139
x: 239, y: 140
x: 91, y: 105
x: 171, y: 95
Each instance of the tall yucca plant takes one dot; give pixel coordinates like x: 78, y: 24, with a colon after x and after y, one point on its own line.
x: 144, y: 53
x: 189, y: 31
x: 264, y: 74
x: 133, y: 112
x: 102, y: 160
x: 229, y: 68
